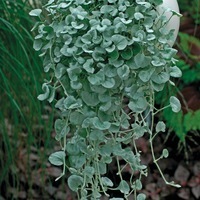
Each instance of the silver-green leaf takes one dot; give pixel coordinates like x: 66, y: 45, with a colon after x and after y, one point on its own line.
x: 175, y: 104
x: 160, y: 127
x: 57, y: 158
x: 74, y: 182
x: 35, y: 12
x: 124, y: 187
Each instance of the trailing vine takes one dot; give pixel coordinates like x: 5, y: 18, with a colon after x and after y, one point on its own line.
x: 106, y: 59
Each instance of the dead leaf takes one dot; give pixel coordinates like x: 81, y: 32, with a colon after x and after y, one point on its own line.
x: 13, y: 191
x: 193, y: 181
x: 22, y: 195
x: 62, y: 195
x: 182, y: 175
x: 53, y: 171
x: 184, y: 193
x: 196, y: 191
x: 191, y: 96
x: 153, y: 191
x: 142, y: 144
x: 196, y: 169
x: 50, y: 189
x: 33, y: 157
x: 38, y: 178
x: 34, y: 194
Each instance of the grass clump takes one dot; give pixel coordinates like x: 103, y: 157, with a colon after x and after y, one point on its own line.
x: 22, y: 116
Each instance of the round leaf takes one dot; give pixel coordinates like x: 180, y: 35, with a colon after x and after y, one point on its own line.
x: 46, y: 93
x: 101, y: 125
x: 124, y: 187
x: 165, y: 153
x: 57, y: 158
x: 141, y: 197
x: 120, y: 41
x: 74, y: 182
x: 37, y: 44
x: 71, y: 103
x: 141, y: 60
x: 175, y: 104
x: 35, y: 12
x: 61, y: 129
x: 107, y: 182
x: 160, y: 127
x: 175, y: 72
x: 90, y: 98
x: 138, y: 184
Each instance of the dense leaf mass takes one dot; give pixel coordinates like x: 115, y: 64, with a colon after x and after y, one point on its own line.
x: 101, y: 53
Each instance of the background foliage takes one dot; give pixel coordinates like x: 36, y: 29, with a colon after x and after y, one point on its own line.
x: 188, y: 91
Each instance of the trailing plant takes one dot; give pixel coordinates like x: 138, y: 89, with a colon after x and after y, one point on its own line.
x: 107, y: 59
